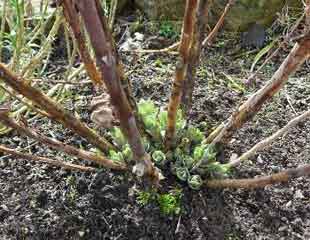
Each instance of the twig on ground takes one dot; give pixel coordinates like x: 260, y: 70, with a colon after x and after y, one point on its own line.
x: 261, y: 182
x: 82, y: 154
x: 169, y: 49
x: 268, y: 141
x: 53, y: 162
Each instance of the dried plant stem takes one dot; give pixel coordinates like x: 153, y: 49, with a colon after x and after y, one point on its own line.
x: 261, y: 182
x: 287, y: 38
x: 74, y: 21
x: 62, y: 82
x: 307, y: 13
x: 111, y: 70
x: 53, y: 162
x: 218, y: 25
x: 53, y: 109
x: 2, y: 26
x: 113, y: 8
x: 181, y: 68
x: 194, y: 56
x: 41, y: 26
x: 298, y: 55
x: 71, y: 55
x: 29, y: 105
x: 44, y: 50
x: 268, y: 141
x: 19, y: 44
x: 72, y: 18
x: 24, y: 130
x: 169, y: 49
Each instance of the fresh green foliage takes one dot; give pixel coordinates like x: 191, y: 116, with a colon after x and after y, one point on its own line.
x: 194, y: 134
x: 116, y: 156
x: 195, y: 182
x: 2, y: 96
x: 190, y: 159
x: 209, y: 154
x: 118, y: 137
x: 182, y: 173
x: 127, y: 153
x: 144, y: 198
x: 167, y: 30
x: 158, y: 62
x: 159, y: 157
x: 199, y: 152
x: 72, y: 192
x: 70, y: 181
x: 216, y: 168
x: 170, y: 203
x: 261, y: 53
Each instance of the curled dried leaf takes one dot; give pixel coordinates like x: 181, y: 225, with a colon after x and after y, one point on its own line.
x: 102, y: 112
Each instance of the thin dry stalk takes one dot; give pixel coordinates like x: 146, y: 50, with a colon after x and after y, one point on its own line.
x: 307, y: 13
x: 287, y: 38
x: 45, y: 49
x: 261, y: 182
x: 218, y: 25
x: 56, y: 112
x: 20, y: 36
x: 52, y: 162
x: 268, y: 141
x: 2, y: 27
x: 181, y: 68
x: 29, y: 105
x: 169, y: 49
x: 24, y: 130
x: 72, y: 18
x: 113, y: 8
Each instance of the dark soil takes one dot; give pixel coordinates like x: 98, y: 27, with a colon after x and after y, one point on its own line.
x: 42, y: 202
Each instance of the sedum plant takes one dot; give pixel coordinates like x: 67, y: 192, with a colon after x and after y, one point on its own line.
x: 190, y: 160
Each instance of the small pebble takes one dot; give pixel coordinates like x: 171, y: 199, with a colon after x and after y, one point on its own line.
x: 81, y: 233
x: 282, y: 229
x: 299, y: 194
x: 288, y: 204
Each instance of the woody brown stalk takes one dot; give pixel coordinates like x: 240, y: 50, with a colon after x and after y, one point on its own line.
x: 181, y: 68
x: 261, y: 182
x: 195, y: 51
x: 53, y: 162
x: 72, y: 18
x: 56, y: 112
x: 126, y: 86
x: 298, y: 55
x: 24, y: 130
x: 105, y: 53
